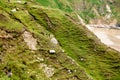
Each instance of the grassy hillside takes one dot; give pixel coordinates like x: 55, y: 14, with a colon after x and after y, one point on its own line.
x: 79, y: 54
x: 117, y: 10
x: 87, y: 9
x: 99, y: 61
x: 58, y: 4
x: 27, y: 64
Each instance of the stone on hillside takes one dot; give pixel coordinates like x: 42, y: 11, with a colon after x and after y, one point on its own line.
x: 54, y: 41
x: 108, y: 16
x: 108, y: 8
x: 69, y: 71
x: 63, y: 50
x: 9, y: 74
x: 40, y: 59
x: 48, y: 70
x: 82, y: 59
x: 75, y: 70
x: 19, y: 2
x: 13, y: 10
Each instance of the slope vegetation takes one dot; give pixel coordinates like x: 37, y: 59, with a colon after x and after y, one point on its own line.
x: 27, y: 31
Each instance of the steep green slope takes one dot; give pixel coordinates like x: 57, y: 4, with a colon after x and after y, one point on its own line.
x: 91, y: 60
x: 24, y: 46
x: 87, y: 9
x: 117, y: 10
x: 58, y: 4
x: 100, y: 62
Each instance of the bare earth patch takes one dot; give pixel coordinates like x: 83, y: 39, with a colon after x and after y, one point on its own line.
x: 30, y: 40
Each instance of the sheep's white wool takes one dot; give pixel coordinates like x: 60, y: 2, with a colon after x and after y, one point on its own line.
x: 51, y: 51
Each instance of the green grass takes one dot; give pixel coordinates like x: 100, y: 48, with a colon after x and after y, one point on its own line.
x: 84, y: 7
x: 100, y: 62
x: 62, y: 5
x: 74, y: 41
x: 79, y: 43
x: 20, y: 59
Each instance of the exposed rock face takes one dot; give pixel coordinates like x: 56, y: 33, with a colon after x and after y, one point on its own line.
x: 4, y: 34
x: 81, y: 20
x: 108, y: 8
x: 30, y: 40
x: 48, y: 70
x: 109, y: 12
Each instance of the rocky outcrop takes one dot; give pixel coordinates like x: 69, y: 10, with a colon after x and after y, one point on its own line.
x: 48, y: 70
x: 4, y: 34
x: 30, y: 40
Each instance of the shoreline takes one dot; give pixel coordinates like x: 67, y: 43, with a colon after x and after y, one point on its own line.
x: 110, y: 37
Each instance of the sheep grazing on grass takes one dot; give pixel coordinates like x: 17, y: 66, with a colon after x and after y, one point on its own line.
x: 52, y: 51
